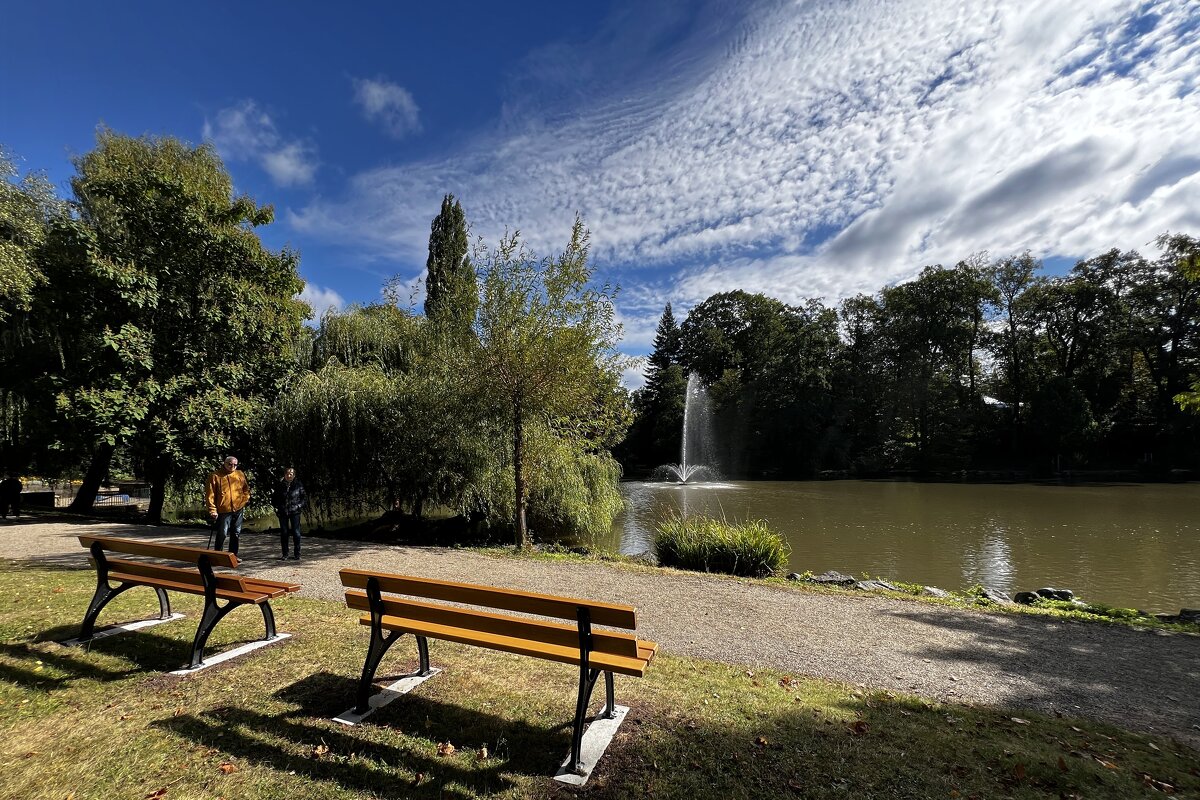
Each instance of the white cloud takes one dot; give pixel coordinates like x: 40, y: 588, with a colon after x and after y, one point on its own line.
x: 634, y: 377
x: 245, y: 132
x: 826, y: 148
x: 321, y: 299
x: 388, y: 104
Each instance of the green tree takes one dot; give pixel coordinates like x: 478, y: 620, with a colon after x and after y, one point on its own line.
x: 28, y: 211
x: 189, y: 323
x: 451, y: 294
x: 547, y: 369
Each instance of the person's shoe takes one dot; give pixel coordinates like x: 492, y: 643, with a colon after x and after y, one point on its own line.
x: 295, y: 558
x: 282, y: 558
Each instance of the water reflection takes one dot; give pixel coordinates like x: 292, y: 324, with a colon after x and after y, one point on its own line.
x: 1131, y: 545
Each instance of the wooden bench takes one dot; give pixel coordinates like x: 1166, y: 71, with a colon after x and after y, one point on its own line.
x: 594, y: 651
x: 198, y: 578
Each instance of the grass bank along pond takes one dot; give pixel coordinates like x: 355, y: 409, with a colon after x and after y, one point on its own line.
x: 1135, y: 545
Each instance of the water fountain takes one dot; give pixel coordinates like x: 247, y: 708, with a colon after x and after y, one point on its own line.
x: 698, y: 452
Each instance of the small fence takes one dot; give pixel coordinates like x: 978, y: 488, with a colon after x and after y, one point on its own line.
x: 129, y: 495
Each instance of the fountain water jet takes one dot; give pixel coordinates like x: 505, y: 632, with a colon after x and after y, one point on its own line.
x: 698, y: 451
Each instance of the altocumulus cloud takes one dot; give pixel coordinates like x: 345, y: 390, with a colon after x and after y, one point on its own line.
x: 246, y: 132
x: 825, y: 148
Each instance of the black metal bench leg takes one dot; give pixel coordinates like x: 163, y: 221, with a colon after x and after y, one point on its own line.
x: 610, y: 708
x: 164, y: 603
x: 379, y: 646
x: 423, y: 655
x: 100, y: 599
x: 213, y: 613
x: 269, y: 620
x: 587, y: 682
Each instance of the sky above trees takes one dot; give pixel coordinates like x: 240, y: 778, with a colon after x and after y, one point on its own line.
x: 812, y: 149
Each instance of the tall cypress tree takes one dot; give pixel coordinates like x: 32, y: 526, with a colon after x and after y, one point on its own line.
x: 451, y: 296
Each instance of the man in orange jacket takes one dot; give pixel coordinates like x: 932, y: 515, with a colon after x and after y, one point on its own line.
x: 226, y: 493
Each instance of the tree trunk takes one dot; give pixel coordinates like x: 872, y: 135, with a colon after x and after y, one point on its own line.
x: 85, y: 497
x: 522, y: 534
x: 157, y: 473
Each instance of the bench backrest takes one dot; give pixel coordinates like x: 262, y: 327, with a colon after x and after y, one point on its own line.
x: 168, y: 552
x: 611, y: 615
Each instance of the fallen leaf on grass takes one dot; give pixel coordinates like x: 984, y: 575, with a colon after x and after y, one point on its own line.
x: 58, y: 590
x: 319, y: 750
x: 1160, y: 786
x: 158, y: 794
x: 417, y: 780
x: 1019, y: 721
x: 1154, y: 747
x: 1106, y: 764
x: 445, y: 749
x: 227, y: 768
x: 761, y: 741
x: 858, y: 727
x: 482, y: 753
x: 1019, y: 772
x: 1062, y: 765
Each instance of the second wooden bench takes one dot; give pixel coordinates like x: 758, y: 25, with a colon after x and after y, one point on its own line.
x: 595, y: 651
x: 198, y: 578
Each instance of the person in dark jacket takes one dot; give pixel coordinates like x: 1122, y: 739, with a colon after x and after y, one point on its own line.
x: 10, y: 495
x: 289, y: 500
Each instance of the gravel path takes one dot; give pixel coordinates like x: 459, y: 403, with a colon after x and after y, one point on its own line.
x: 1142, y: 680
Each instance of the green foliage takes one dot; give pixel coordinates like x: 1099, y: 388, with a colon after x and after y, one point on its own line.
x: 546, y: 356
x: 451, y: 294
x: 749, y: 549
x: 27, y: 209
x: 175, y: 326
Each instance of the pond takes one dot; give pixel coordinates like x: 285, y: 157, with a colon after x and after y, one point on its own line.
x: 1135, y: 545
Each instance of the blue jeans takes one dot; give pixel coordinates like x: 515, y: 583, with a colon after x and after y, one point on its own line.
x: 289, y: 528
x: 229, y: 524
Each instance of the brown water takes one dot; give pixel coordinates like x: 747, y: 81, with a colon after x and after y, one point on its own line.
x: 1135, y: 545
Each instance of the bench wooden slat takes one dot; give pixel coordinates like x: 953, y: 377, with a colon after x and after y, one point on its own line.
x: 176, y: 586
x: 275, y: 588
x: 565, y: 655
x: 171, y: 552
x: 552, y: 633
x: 610, y: 615
x: 225, y: 581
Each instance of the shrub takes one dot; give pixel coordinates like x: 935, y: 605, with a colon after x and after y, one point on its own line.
x: 750, y: 549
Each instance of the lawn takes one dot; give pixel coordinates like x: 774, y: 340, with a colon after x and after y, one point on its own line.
x: 106, y: 722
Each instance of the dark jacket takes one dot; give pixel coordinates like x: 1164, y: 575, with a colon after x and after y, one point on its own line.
x: 287, y: 499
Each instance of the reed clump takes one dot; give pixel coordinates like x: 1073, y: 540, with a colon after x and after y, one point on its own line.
x: 707, y: 544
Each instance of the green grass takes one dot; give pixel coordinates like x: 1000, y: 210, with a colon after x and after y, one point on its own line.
x: 749, y: 549
x: 106, y: 722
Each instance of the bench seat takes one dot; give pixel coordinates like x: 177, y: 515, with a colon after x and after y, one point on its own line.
x: 634, y: 667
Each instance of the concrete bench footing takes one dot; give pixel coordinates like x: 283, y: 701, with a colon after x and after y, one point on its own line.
x: 596, y: 737
x: 113, y: 630
x: 390, y: 693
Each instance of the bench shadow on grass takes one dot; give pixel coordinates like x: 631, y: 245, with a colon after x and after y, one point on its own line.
x: 368, y: 757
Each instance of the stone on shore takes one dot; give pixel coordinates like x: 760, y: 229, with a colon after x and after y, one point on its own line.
x: 875, y: 586
x: 1026, y: 598
x: 1050, y: 593
x: 832, y: 578
x: 989, y: 595
x: 933, y: 591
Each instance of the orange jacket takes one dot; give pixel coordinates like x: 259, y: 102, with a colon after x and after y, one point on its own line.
x: 224, y: 493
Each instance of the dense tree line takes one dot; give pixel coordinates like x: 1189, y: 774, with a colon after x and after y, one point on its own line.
x: 146, y: 330
x: 986, y: 365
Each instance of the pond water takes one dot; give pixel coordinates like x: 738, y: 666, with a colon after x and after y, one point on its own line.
x: 1135, y: 545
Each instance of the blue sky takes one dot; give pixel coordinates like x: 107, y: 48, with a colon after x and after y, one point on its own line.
x: 801, y: 149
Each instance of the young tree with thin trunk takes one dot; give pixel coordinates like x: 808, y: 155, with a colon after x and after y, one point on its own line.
x: 545, y: 362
